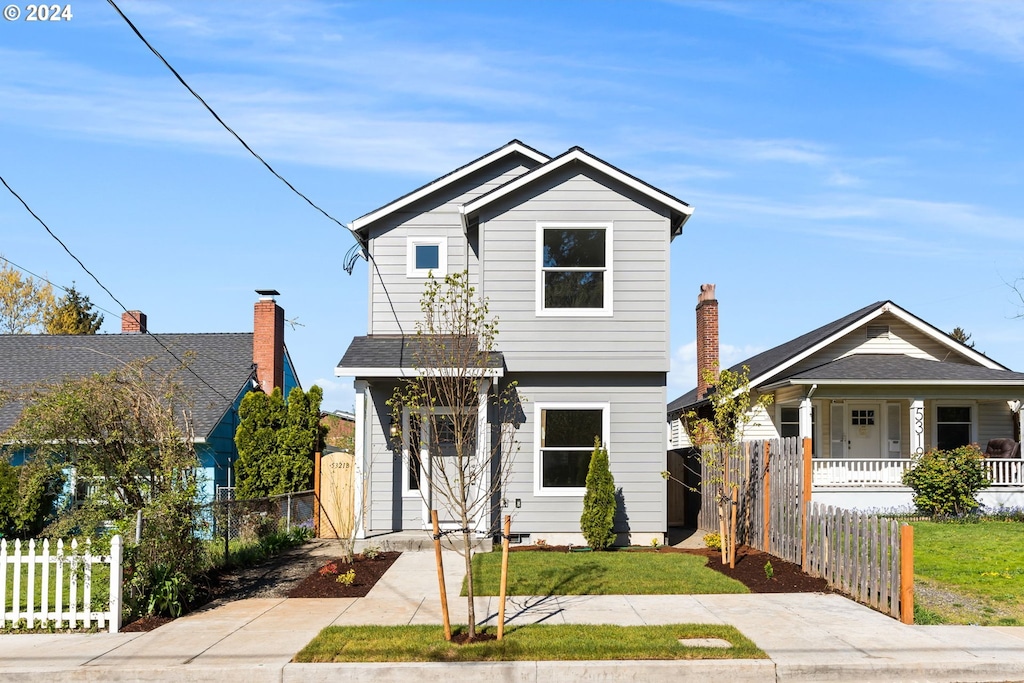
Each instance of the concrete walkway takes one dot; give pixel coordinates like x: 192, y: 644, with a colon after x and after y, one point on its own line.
x: 808, y: 637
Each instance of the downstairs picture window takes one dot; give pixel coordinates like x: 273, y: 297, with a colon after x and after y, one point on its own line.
x: 566, y: 441
x: 952, y: 427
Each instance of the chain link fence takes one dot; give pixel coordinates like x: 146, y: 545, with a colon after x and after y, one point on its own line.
x: 254, y: 518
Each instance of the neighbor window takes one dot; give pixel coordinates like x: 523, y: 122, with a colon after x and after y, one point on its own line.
x: 575, y: 269
x: 566, y: 436
x: 952, y: 427
x: 425, y: 255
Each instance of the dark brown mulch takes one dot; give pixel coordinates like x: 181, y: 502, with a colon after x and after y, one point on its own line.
x: 323, y: 583
x: 750, y: 570
x: 143, y: 624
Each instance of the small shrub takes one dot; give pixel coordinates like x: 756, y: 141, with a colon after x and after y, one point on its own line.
x: 348, y: 578
x: 769, y: 570
x: 946, y: 483
x: 541, y: 543
x: 655, y: 542
x: 329, y: 569
x: 713, y: 541
x: 598, y: 519
x: 372, y: 552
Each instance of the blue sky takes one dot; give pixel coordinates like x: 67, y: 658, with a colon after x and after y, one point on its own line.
x: 836, y: 153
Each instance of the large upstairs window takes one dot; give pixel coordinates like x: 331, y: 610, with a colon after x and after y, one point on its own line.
x: 574, y: 269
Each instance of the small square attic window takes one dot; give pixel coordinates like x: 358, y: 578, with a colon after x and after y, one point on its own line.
x: 426, y: 255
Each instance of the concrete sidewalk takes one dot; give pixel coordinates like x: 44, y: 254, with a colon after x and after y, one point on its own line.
x: 808, y: 637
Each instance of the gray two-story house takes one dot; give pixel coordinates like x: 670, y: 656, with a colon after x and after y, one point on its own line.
x: 573, y: 256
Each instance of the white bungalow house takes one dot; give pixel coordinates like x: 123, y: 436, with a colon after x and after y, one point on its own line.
x: 871, y: 390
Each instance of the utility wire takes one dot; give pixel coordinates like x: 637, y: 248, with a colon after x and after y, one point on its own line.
x: 111, y: 294
x: 50, y: 282
x: 251, y: 151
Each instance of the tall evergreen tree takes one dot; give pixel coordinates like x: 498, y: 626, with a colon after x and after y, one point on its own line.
x: 73, y: 314
x: 276, y: 442
x: 598, y: 520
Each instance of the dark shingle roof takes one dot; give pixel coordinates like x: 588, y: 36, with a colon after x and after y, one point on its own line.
x: 766, y: 360
x: 390, y: 352
x: 899, y: 368
x: 222, y: 360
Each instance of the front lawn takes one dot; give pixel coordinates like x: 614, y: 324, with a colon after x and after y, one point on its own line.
x: 601, y: 573
x: 531, y: 642
x: 970, y: 573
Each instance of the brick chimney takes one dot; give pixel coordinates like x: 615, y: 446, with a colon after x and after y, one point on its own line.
x: 133, y: 322
x: 707, y: 337
x: 268, y: 341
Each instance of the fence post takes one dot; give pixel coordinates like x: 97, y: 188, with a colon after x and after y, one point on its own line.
x: 806, y: 502
x: 766, y: 540
x: 907, y: 574
x: 288, y: 514
x: 116, y: 559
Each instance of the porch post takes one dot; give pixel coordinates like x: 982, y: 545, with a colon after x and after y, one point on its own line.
x: 916, y: 427
x: 806, y: 426
x: 483, y: 450
x: 361, y: 447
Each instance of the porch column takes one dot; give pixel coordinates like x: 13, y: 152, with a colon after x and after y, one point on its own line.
x: 916, y: 427
x: 1016, y: 408
x: 361, y: 447
x: 483, y: 451
x: 806, y: 425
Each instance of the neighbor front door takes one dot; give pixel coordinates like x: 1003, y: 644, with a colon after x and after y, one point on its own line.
x: 863, y: 430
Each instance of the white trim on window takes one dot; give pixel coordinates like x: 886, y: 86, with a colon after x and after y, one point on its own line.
x: 538, y: 408
x: 411, y: 242
x: 607, y: 270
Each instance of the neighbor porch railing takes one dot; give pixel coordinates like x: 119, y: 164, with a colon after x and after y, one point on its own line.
x: 887, y: 473
x: 42, y: 585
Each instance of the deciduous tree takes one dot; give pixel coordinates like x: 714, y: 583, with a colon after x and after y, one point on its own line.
x: 24, y: 302
x: 467, y: 462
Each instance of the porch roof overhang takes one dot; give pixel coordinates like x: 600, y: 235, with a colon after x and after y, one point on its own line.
x: 899, y: 370
x: 401, y: 356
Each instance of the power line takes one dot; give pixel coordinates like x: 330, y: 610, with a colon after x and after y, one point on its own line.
x: 50, y: 282
x: 104, y: 288
x: 263, y: 161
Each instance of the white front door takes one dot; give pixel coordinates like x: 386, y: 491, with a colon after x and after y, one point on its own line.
x: 863, y: 430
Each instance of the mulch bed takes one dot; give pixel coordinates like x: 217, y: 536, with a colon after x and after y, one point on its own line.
x: 786, y: 577
x: 323, y: 583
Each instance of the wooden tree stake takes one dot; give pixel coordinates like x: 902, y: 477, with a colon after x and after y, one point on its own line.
x: 504, y: 576
x: 440, y: 576
x: 732, y: 532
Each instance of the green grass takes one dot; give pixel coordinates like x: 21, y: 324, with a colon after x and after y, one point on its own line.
x: 971, y: 573
x: 601, y: 573
x: 533, y: 642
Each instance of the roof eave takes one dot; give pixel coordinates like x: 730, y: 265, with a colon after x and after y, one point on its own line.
x: 578, y: 155
x: 405, y: 373
x: 360, y: 225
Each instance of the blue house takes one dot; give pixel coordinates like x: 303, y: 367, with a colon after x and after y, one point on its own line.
x: 224, y: 366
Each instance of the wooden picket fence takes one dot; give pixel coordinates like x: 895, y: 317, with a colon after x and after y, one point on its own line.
x: 864, y: 556
x: 42, y: 588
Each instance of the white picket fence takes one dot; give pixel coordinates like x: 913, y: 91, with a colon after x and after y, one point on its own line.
x: 42, y: 587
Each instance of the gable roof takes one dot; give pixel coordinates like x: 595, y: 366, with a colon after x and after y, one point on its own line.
x: 679, y: 210
x: 870, y: 368
x: 770, y: 366
x: 222, y: 360
x: 360, y: 224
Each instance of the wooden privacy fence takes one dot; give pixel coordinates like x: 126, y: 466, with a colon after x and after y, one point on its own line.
x: 40, y: 585
x: 867, y: 557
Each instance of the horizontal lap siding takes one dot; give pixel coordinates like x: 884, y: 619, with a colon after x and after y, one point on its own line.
x: 903, y: 339
x: 995, y: 421
x: 636, y: 333
x: 636, y: 449
x: 432, y: 217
